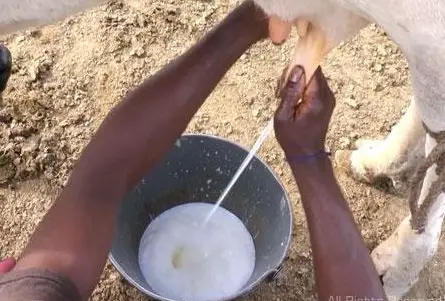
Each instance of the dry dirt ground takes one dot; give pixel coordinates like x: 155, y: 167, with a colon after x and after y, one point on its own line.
x: 67, y: 76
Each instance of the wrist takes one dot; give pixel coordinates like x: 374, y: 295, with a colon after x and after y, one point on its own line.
x: 317, y: 179
x: 317, y: 167
x: 306, y: 157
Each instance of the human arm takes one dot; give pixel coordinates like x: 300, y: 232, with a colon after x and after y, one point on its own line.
x: 343, y: 267
x: 75, y: 236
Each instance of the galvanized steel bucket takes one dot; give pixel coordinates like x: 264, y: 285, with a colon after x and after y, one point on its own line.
x: 198, y: 169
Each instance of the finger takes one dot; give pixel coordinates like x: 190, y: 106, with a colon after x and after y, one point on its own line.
x: 6, y: 265
x: 291, y: 94
x: 318, y: 88
x: 317, y: 96
x: 279, y: 30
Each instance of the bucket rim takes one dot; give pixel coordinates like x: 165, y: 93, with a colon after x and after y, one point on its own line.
x: 247, y: 289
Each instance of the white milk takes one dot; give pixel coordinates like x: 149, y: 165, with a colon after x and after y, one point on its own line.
x: 183, y: 260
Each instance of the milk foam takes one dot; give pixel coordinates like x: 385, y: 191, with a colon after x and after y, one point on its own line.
x: 182, y: 260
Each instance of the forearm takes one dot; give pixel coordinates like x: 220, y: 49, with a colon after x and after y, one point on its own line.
x: 342, y: 263
x: 141, y: 129
x: 76, y: 234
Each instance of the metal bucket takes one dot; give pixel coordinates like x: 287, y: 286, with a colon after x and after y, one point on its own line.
x: 198, y: 169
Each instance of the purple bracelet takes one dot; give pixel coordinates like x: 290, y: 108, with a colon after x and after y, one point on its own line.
x: 305, y: 158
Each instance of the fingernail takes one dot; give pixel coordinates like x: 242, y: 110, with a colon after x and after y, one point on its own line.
x: 296, y: 74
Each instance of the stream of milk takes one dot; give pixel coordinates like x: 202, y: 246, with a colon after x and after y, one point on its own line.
x: 200, y: 251
x: 264, y: 134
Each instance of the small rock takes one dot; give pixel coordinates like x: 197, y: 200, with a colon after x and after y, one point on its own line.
x: 137, y: 52
x: 255, y: 112
x: 376, y: 87
x: 250, y: 101
x: 354, y: 135
x: 30, y: 145
x: 352, y: 103
x: 378, y: 67
x: 141, y: 21
x: 171, y: 16
x: 7, y: 169
x: 304, y: 270
x: 48, y: 175
x: 5, y: 116
x: 16, y: 161
x: 20, y: 130
x: 381, y: 50
x: 16, y: 130
x: 344, y: 142
x: 35, y: 33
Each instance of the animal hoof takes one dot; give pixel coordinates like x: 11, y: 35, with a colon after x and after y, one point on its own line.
x: 382, y: 256
x: 5, y: 66
x: 356, y: 163
x: 342, y: 159
x: 401, y: 257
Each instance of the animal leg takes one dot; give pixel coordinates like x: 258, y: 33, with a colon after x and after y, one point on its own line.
x: 401, y: 258
x: 393, y: 158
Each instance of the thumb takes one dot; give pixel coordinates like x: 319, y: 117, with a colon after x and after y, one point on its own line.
x: 6, y: 265
x: 291, y: 94
x: 318, y: 97
x: 318, y: 87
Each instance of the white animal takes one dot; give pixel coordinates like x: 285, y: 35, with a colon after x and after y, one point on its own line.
x: 20, y: 14
x: 418, y: 27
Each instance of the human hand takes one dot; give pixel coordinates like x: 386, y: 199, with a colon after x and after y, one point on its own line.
x: 301, y: 126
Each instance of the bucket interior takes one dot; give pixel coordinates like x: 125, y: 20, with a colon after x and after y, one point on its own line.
x: 197, y: 170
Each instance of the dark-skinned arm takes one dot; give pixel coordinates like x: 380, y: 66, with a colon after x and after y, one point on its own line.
x: 343, y: 267
x: 76, y: 234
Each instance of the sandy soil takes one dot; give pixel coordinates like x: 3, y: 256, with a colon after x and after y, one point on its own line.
x: 67, y: 77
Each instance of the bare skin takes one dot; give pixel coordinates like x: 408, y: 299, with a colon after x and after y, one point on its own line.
x: 342, y: 263
x: 75, y: 236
